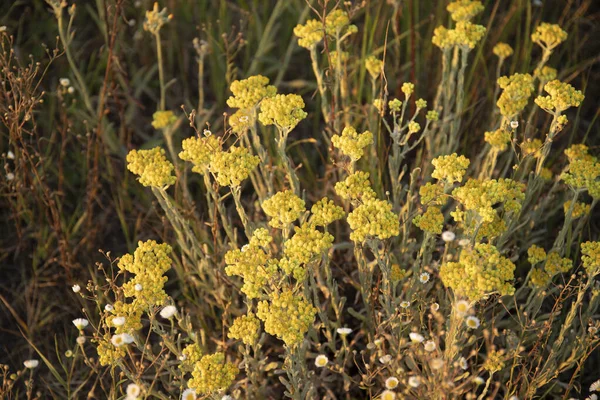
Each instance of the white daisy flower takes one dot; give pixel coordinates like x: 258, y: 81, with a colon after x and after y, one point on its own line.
x: 462, y: 363
x: 448, y: 236
x: 10, y: 176
x: 3, y: 28
x: 424, y: 277
x: 416, y: 337
x: 121, y: 339
x: 514, y: 124
x: 479, y: 380
x: 344, y: 331
x: 138, y: 287
x: 133, y: 390
x: 81, y: 323
x: 464, y: 242
x: 245, y: 247
x: 462, y: 307
x: 207, y: 132
x: 71, y: 90
x: 414, y: 381
x: 31, y: 364
x: 430, y: 345
x: 80, y: 340
x: 168, y: 312
x: 405, y: 304
x: 595, y: 387
x: 391, y: 382
x: 436, y: 363
x: 118, y: 321
x: 321, y: 361
x: 108, y: 307
x: 385, y: 359
x: 10, y: 155
x: 188, y: 394
x: 388, y: 395
x: 64, y: 82
x: 472, y: 322
x: 76, y: 288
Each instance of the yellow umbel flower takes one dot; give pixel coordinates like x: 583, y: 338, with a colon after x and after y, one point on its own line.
x: 251, y: 264
x: 233, y: 166
x: 162, y: 119
x: 324, y: 212
x: 355, y: 186
x: 536, y: 254
x: 517, y: 89
x: 539, y: 278
x: 109, y: 354
x: 212, y: 374
x: 432, y: 115
x: 579, y: 210
x: 292, y: 267
x: 374, y: 66
x: 149, y: 263
x: 287, y: 316
x: 431, y: 221
x: 310, y: 33
x: 578, y: 152
x: 531, y: 147
x: 450, y: 168
x: 583, y: 171
x: 591, y: 257
x: 283, y: 110
x: 546, y: 74
x: 432, y: 193
x: 421, y: 104
x: 155, y: 19
x: 247, y: 93
x: 408, y: 89
x: 241, y: 120
x: 245, y: 328
x: 261, y: 237
x: 132, y: 313
x: 199, y: 151
x: 562, y: 97
x: 307, y: 243
x: 555, y: 264
x: 373, y: 219
x: 468, y: 34
x: 494, y: 361
x: 479, y: 272
x: 464, y: 10
x: 498, y: 139
x: 337, y: 23
x: 444, y: 38
x: 351, y: 143
x: 283, y: 208
x: 151, y: 166
x: 191, y: 354
x: 413, y: 127
x: 548, y: 36
x: 397, y: 274
x: 503, y: 50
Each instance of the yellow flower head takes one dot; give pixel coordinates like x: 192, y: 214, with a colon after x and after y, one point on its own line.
x: 591, y: 257
x: 283, y: 208
x: 555, y: 264
x: 324, y: 212
x: 408, y: 89
x: 162, y: 119
x: 464, y: 10
x: 373, y: 219
x: 479, y: 272
x: 151, y: 166
x: 531, y: 147
x: 548, y: 36
x: 468, y: 34
x: 536, y: 254
x: 503, y: 50
x: 444, y: 38
x: 212, y: 374
x: 192, y: 353
x: 562, y: 96
x: 495, y: 361
x: 351, y: 143
x: 498, y: 139
x: 583, y: 173
x: 395, y: 105
x: 431, y: 221
x: 309, y: 34
x: 131, y: 312
x: 546, y: 73
x: 109, y: 354
x: 307, y: 243
x: 287, y: 316
x: 374, y: 66
x: 247, y: 93
x: 516, y: 92
x: 355, y: 186
x: 155, y: 19
x: 337, y: 22
x: 245, y: 328
x: 241, y: 120
x: 450, y: 168
x: 251, y: 263
x: 283, y: 110
x: 261, y: 237
x: 233, y: 166
x: 579, y: 210
x: 199, y: 151
x: 433, y: 193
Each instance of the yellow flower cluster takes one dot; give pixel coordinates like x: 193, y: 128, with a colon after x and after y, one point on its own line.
x: 548, y: 36
x: 443, y: 37
x: 517, y: 89
x: 287, y: 316
x: 199, y: 151
x: 247, y: 93
x: 432, y: 193
x: 309, y: 34
x: 562, y: 96
x: 355, y: 186
x: 261, y: 237
x: 408, y: 89
x: 151, y: 166
x: 503, y: 50
x: 479, y: 272
x: 591, y: 257
x: 397, y: 274
x: 283, y: 208
x: 431, y: 221
x: 149, y: 263
x: 546, y: 73
x: 483, y: 196
x: 465, y: 35
x: 162, y: 119
x: 233, y: 166
x: 464, y: 10
x: 583, y: 170
x: 245, y: 328
x: 498, y: 139
x: 212, y: 374
x: 578, y: 152
x: 241, y: 120
x: 251, y: 264
x: 109, y: 354
x: 283, y: 110
x: 340, y: 57
x: 132, y: 313
x: 554, y: 264
x: 191, y: 354
x: 307, y: 243
x: 293, y: 267
x: 579, y: 210
x: 373, y: 219
x: 535, y: 254
x: 421, y: 103
x: 324, y: 212
x: 531, y: 147
x: 413, y: 127
x: 155, y: 19
x: 337, y: 23
x: 374, y: 66
x: 432, y: 115
x: 352, y: 143
x: 450, y: 168
x: 495, y: 361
